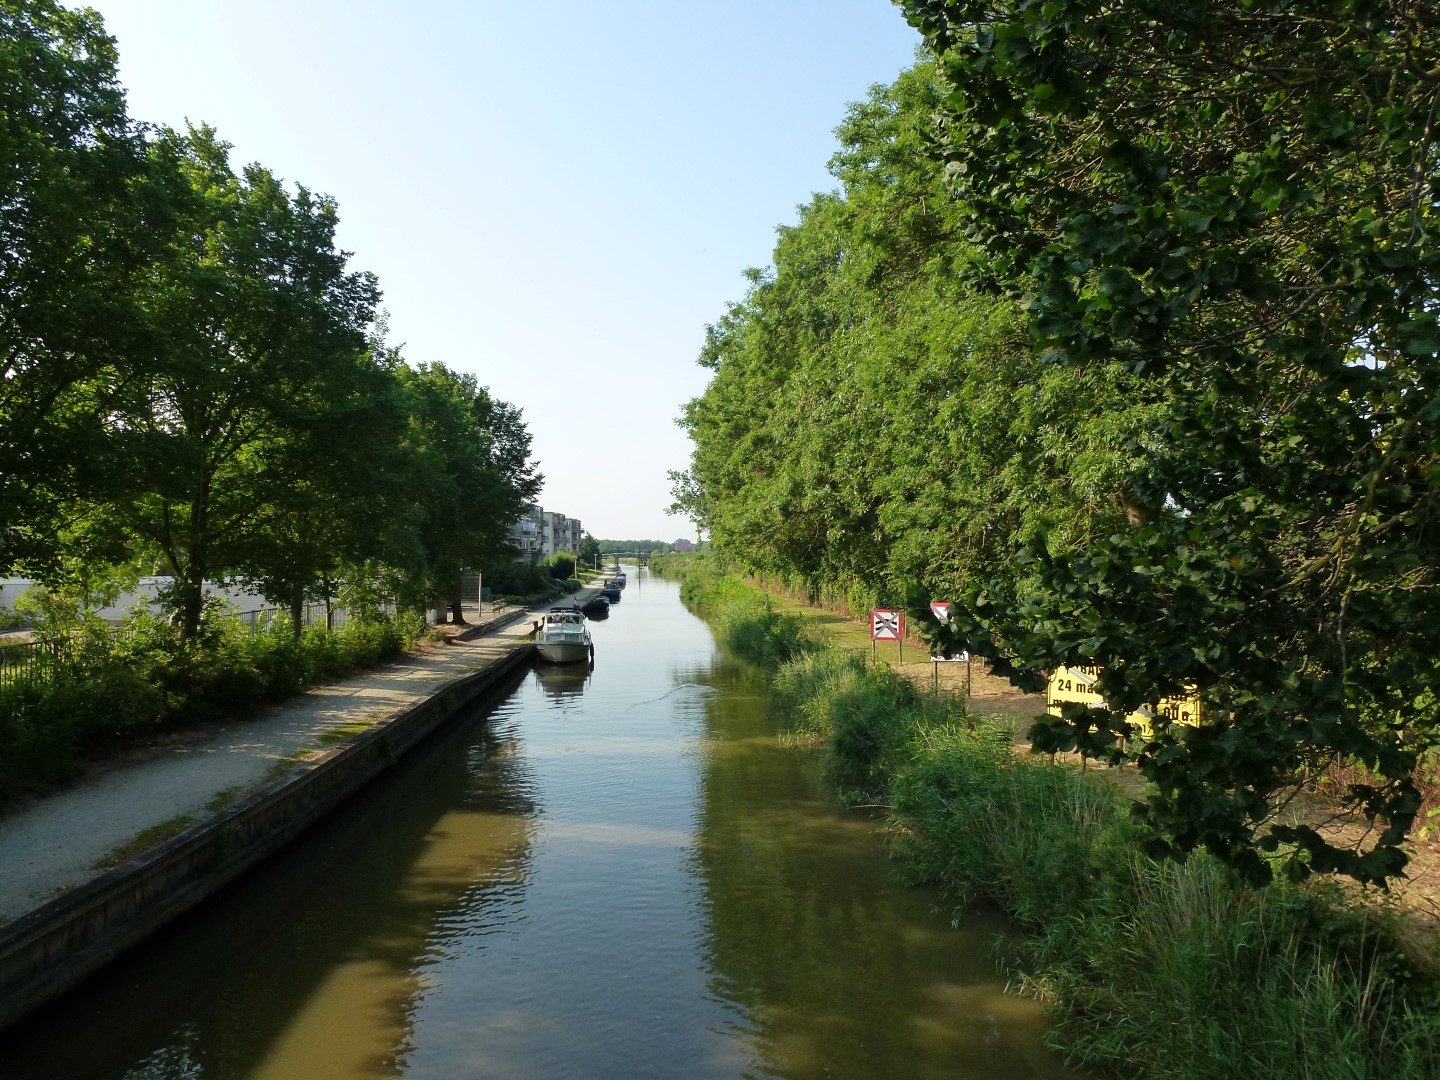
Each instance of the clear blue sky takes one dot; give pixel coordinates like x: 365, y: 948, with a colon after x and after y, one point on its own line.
x: 557, y: 197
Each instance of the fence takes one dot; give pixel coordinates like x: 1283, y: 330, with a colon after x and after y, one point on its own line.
x: 328, y: 615
x: 26, y: 661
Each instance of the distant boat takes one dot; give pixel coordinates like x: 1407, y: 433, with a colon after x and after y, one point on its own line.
x: 618, y: 581
x: 611, y: 593
x: 563, y: 637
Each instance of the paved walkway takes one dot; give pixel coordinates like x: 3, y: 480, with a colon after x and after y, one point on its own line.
x: 55, y: 843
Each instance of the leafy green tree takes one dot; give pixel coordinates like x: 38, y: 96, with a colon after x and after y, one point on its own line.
x: 1236, y: 201
x: 589, y: 551
x: 79, y: 222
x: 345, y: 507
x: 261, y: 364
x: 871, y: 420
x: 471, y: 475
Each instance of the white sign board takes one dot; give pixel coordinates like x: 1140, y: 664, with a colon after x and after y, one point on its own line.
x: 886, y: 625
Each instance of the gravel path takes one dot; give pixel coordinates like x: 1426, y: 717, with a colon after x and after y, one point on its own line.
x: 54, y: 844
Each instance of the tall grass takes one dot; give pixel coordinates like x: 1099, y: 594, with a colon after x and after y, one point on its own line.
x: 1151, y: 968
x: 1168, y: 969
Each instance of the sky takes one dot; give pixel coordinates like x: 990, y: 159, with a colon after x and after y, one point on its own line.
x: 556, y: 197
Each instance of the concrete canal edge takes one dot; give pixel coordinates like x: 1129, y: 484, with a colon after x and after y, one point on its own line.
x: 56, y: 946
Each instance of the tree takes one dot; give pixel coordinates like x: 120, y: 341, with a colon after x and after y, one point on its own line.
x: 472, y: 474
x: 261, y: 363
x: 1237, y: 201
x: 871, y: 420
x: 78, y: 224
x: 589, y: 553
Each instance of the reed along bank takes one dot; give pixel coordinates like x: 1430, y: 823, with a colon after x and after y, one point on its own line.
x: 1150, y: 968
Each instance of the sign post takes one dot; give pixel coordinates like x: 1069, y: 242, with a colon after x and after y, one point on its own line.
x: 887, y: 626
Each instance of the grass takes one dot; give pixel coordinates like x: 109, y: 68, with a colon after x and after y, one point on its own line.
x: 226, y: 797
x: 348, y: 731
x: 144, y: 841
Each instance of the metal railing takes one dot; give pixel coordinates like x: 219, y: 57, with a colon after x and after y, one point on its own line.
x: 26, y: 661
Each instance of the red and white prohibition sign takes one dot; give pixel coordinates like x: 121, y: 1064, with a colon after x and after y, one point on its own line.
x: 886, y: 625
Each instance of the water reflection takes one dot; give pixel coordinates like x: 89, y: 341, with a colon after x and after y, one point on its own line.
x: 313, y: 965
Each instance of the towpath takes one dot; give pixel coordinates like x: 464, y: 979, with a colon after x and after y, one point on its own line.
x: 53, y: 844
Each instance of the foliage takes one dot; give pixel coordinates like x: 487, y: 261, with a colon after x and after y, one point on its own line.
x: 79, y: 226
x: 871, y: 421
x: 864, y: 716
x: 185, y: 376
x: 589, y: 553
x: 262, y: 342
x: 1237, y: 202
x: 472, y: 474
x: 745, y: 619
x: 518, y: 579
x: 1147, y: 963
x: 644, y: 547
x: 560, y: 566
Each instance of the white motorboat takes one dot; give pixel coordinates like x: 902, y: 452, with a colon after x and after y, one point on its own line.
x: 563, y: 637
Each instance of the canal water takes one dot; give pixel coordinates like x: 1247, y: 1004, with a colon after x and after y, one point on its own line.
x: 618, y: 873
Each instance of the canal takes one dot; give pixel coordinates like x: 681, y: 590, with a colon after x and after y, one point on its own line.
x: 617, y: 873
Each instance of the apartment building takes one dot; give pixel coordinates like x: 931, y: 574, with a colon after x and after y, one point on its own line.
x: 540, y: 534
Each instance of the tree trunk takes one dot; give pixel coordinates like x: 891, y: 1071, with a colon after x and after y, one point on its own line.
x: 1138, y: 513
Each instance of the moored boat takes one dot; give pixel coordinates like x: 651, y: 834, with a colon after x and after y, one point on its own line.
x: 563, y: 637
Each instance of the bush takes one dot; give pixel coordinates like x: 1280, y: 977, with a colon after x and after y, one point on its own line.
x: 864, y: 716
x: 745, y: 619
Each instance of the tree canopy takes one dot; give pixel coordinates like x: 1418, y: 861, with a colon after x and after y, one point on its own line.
x: 1236, y: 202
x: 1121, y: 332
x: 189, y: 377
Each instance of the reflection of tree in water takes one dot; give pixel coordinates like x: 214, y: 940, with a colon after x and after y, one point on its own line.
x: 832, y: 966
x: 315, y: 964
